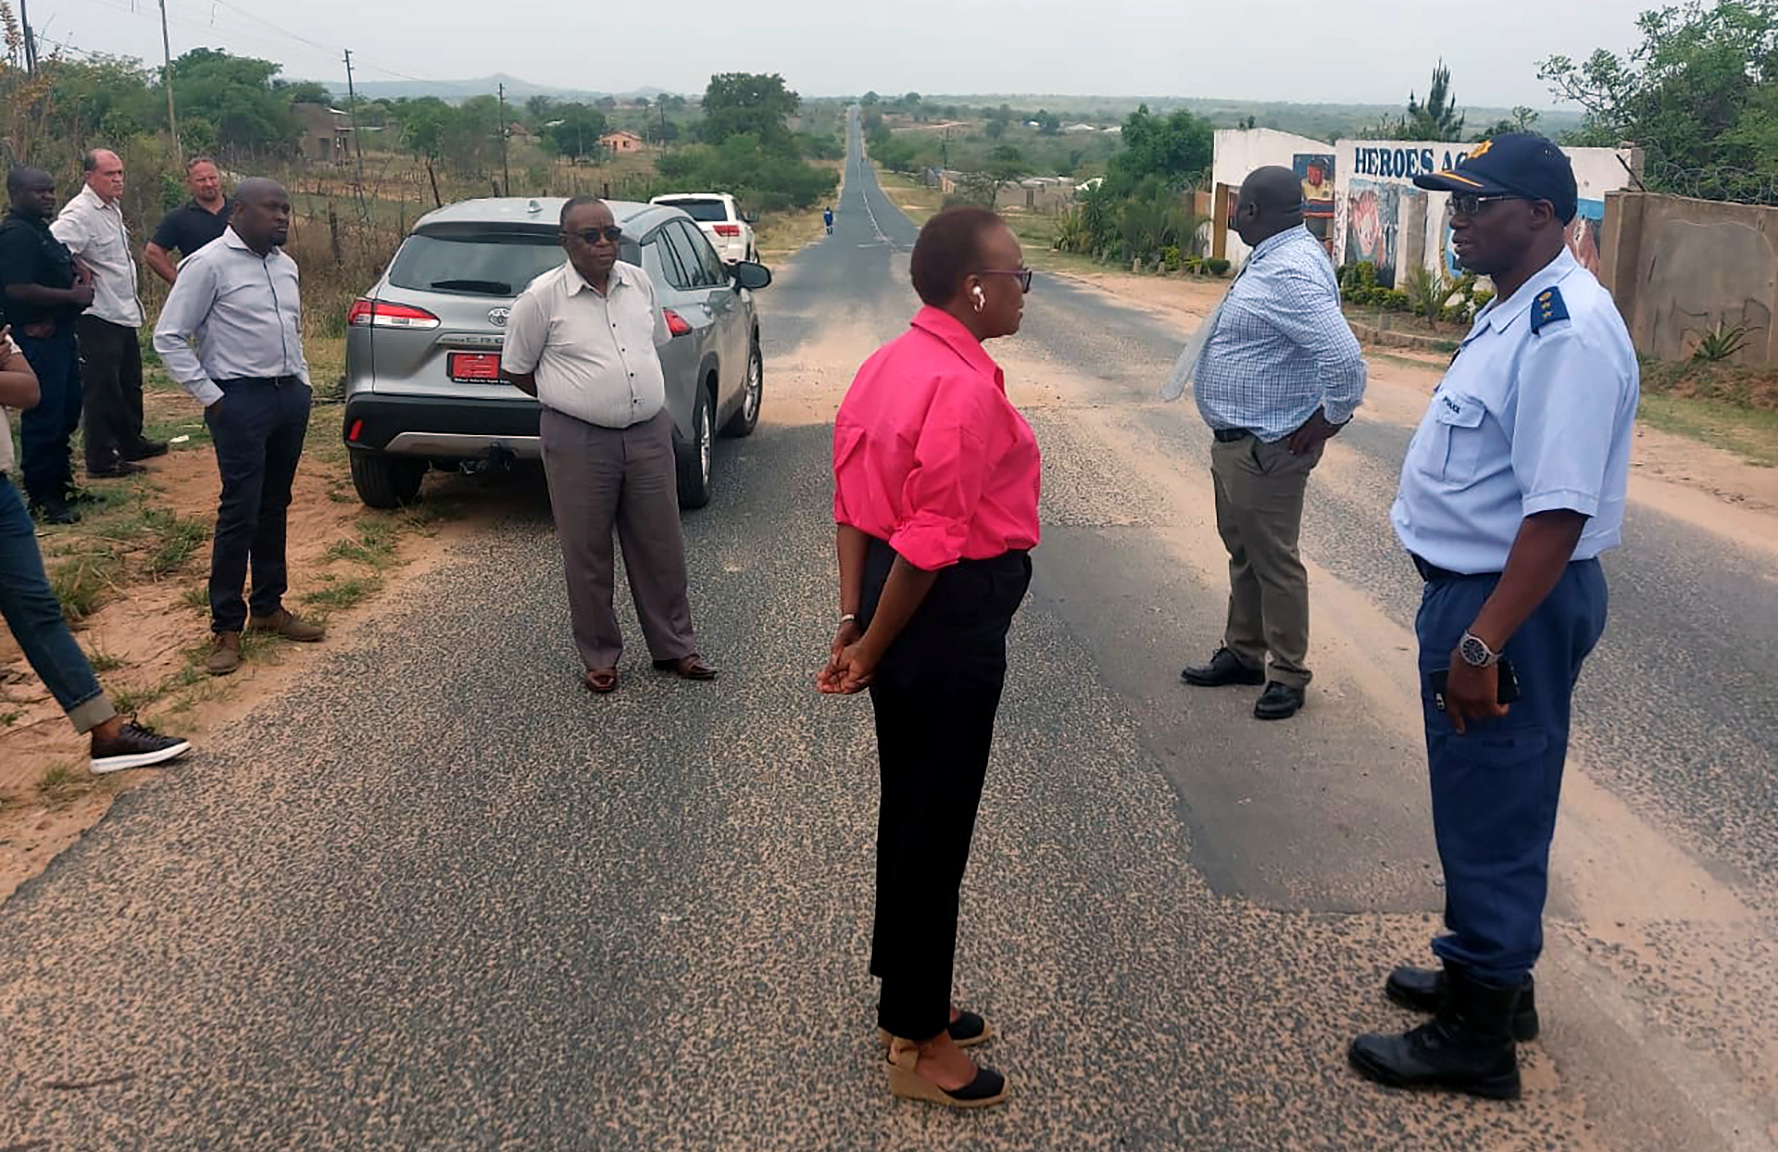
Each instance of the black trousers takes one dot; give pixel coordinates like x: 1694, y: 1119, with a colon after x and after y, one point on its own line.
x: 935, y: 696
x: 258, y: 428
x: 111, y: 380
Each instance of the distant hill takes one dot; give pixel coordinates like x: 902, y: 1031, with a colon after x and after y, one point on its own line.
x: 454, y: 91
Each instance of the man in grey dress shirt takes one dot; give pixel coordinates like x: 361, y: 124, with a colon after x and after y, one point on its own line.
x: 238, y: 299
x: 583, y: 339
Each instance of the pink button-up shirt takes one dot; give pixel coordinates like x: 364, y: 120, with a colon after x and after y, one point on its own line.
x: 930, y: 455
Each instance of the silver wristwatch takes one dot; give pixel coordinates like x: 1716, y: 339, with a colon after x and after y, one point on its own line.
x: 1476, y: 653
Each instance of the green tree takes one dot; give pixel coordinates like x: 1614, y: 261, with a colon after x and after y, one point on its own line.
x: 1176, y: 149
x: 870, y: 100
x: 999, y: 121
x: 747, y: 103
x: 424, y: 125
x: 575, y: 129
x: 234, y: 95
x: 1438, y: 118
x: 1697, y: 93
x: 1523, y: 119
x: 303, y: 92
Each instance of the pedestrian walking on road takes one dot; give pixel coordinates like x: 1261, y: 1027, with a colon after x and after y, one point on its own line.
x: 936, y: 479
x: 827, y: 219
x: 1512, y: 488
x: 199, y: 221
x: 34, y: 615
x: 42, y: 293
x: 1278, y: 374
x: 583, y: 339
x: 92, y: 226
x: 239, y: 299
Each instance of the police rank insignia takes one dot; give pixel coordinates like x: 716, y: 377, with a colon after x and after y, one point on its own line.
x: 1548, y: 308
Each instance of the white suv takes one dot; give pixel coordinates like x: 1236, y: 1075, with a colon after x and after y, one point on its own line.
x: 730, y: 230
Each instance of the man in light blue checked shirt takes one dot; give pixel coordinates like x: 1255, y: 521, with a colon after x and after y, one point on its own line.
x: 1279, y: 374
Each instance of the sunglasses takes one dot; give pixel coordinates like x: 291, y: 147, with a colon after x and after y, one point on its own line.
x: 1476, y: 205
x: 1024, y: 275
x: 610, y: 232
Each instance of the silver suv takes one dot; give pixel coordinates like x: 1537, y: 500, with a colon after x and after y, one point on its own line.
x: 423, y: 381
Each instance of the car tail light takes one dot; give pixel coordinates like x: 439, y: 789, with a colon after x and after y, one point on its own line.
x: 675, y: 323
x: 382, y: 314
x: 357, y: 429
x: 728, y: 229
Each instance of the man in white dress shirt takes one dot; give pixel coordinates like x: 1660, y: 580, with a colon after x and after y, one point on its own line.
x: 237, y: 297
x: 583, y: 339
x: 91, y: 226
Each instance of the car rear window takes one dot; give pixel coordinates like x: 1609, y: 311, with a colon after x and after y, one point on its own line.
x: 703, y: 211
x: 480, y: 263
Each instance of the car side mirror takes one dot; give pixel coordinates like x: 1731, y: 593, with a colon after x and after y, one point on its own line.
x: 752, y: 276
x: 750, y: 217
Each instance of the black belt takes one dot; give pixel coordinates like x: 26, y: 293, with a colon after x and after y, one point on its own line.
x: 1432, y: 572
x: 1229, y: 435
x: 274, y: 381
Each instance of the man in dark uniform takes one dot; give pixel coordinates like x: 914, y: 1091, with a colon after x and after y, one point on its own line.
x: 42, y: 293
x: 1512, y: 488
x: 192, y: 225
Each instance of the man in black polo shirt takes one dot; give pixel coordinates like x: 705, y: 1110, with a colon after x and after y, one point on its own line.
x: 193, y: 224
x: 42, y: 292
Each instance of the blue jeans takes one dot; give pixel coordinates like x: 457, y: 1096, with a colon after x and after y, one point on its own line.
x: 258, y: 428
x: 34, y: 615
x: 1495, y: 789
x: 46, y: 463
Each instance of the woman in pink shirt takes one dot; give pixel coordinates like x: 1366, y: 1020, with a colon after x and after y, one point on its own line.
x: 935, y: 494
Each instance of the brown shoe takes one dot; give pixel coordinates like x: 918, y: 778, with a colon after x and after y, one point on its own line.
x: 225, y: 654
x: 687, y: 668
x: 282, y: 623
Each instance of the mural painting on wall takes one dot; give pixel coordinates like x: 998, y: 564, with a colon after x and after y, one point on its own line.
x: 1316, y: 171
x: 1583, y: 238
x: 1373, y: 213
x: 1583, y: 234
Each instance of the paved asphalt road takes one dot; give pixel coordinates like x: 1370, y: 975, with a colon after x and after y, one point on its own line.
x: 439, y: 898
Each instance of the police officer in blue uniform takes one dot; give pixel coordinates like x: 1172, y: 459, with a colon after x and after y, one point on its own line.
x: 1512, y: 488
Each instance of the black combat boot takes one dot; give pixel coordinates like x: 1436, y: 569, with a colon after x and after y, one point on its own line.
x: 1423, y: 989
x: 1468, y: 1047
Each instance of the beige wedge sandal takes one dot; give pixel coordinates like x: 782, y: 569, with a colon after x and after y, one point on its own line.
x: 986, y: 1090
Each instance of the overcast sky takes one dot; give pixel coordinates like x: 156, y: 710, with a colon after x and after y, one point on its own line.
x: 1350, y: 52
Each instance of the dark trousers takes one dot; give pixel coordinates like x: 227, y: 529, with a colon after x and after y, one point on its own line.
x: 602, y: 479
x: 258, y: 428
x: 111, y: 372
x: 34, y: 615
x: 45, y: 431
x: 1495, y: 789
x: 935, y: 696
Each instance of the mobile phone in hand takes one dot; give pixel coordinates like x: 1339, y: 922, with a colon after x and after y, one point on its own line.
x: 1509, y: 685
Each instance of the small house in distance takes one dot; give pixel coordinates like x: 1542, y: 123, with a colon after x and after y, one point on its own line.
x: 327, y: 133
x: 622, y: 143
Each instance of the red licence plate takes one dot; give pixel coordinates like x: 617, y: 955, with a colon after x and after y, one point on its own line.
x: 474, y: 367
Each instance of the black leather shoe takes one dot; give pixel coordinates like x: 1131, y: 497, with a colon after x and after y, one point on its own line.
x: 1224, y: 668
x: 147, y: 450
x: 57, y: 513
x: 79, y: 496
x: 1423, y: 990
x: 1468, y: 1047
x: 1278, y: 702
x: 116, y: 472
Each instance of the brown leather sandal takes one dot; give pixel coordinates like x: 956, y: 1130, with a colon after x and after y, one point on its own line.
x: 601, y: 681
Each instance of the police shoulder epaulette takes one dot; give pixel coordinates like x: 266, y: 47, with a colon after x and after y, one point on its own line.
x: 1548, y: 308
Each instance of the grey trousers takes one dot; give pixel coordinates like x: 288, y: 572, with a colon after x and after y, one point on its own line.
x: 1259, y: 513
x: 622, y: 478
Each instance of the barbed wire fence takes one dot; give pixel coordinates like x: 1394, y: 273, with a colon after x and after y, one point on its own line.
x: 1716, y: 182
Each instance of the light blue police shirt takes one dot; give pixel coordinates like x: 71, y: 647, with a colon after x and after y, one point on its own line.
x: 1535, y: 414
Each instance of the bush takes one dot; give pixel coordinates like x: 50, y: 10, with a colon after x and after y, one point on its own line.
x: 1216, y: 266
x: 1193, y: 264
x: 1170, y: 259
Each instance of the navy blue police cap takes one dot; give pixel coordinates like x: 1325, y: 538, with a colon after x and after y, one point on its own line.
x: 1512, y: 164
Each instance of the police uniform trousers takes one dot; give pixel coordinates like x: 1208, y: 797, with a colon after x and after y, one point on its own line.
x: 1495, y: 789
x: 935, y: 695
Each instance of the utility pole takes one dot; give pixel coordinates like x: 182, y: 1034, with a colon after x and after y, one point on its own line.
x: 505, y: 169
x: 30, y: 40
x: 357, y: 142
x: 167, y: 83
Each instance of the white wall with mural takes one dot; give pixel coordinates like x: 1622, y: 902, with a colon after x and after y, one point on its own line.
x: 1373, y: 198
